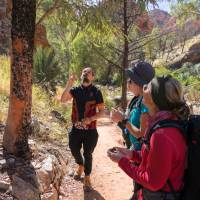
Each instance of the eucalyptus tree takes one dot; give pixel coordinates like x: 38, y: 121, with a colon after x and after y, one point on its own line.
x: 15, y: 140
x: 130, y: 23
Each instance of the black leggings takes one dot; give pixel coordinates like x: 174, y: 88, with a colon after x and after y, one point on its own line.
x: 86, y: 139
x: 150, y: 195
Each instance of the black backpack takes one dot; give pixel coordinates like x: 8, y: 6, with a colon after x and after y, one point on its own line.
x: 191, y: 131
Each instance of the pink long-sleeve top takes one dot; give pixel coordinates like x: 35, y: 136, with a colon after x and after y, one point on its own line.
x: 164, y: 160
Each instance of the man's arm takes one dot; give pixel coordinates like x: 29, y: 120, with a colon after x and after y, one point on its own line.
x: 99, y: 114
x: 66, y: 95
x: 100, y: 108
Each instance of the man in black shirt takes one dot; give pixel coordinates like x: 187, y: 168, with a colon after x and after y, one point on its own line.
x: 87, y: 100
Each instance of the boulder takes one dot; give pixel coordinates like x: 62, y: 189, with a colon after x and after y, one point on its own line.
x: 192, y: 55
x: 23, y: 190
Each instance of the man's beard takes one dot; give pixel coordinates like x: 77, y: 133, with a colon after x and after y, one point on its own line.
x: 85, y: 80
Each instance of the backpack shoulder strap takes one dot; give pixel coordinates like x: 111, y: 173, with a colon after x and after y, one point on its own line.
x: 133, y: 102
x: 139, y: 102
x: 162, y: 124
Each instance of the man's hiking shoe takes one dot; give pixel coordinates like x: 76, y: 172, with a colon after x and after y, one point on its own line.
x: 78, y: 173
x: 87, y: 186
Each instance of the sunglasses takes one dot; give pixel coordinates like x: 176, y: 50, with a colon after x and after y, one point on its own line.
x: 129, y: 81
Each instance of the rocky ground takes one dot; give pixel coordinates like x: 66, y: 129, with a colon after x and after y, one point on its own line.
x: 49, y: 173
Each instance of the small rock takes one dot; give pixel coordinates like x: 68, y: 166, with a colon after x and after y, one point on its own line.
x: 11, y: 161
x: 52, y: 195
x: 43, y: 180
x: 48, y: 166
x: 24, y: 190
x: 71, y: 173
x: 4, y: 185
x: 2, y: 163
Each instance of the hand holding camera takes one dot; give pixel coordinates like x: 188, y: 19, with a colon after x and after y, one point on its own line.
x: 114, y: 154
x: 116, y: 115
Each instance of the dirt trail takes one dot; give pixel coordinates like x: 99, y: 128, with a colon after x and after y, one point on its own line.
x: 109, y: 181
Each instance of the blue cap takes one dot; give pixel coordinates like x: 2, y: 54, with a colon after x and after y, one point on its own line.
x: 140, y: 73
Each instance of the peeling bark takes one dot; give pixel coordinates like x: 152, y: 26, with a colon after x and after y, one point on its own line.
x: 15, y: 139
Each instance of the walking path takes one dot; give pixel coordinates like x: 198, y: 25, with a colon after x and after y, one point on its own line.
x: 109, y: 181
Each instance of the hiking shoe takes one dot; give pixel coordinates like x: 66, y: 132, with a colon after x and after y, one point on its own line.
x: 87, y: 186
x: 78, y: 173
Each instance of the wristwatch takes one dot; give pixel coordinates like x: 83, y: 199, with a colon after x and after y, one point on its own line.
x: 122, y: 124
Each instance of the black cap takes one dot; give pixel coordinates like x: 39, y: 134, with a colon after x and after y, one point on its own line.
x: 141, y: 73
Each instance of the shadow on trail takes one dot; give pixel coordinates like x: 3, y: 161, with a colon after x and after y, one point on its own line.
x: 93, y: 195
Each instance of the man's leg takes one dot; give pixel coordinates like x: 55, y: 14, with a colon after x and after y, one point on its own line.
x: 75, y: 144
x: 89, y: 144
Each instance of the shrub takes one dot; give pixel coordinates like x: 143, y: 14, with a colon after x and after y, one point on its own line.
x: 45, y: 68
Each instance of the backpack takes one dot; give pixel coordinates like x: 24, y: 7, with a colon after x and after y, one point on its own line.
x: 135, y: 102
x: 191, y: 130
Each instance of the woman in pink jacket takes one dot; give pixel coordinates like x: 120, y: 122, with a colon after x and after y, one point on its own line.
x: 165, y: 159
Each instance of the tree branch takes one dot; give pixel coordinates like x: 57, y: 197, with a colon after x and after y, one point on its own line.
x: 104, y: 57
x: 48, y: 12
x: 118, y: 51
x: 38, y: 4
x: 195, y: 12
x: 145, y: 43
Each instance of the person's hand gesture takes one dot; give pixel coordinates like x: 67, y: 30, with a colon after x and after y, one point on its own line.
x: 126, y: 152
x: 86, y: 121
x: 114, y: 155
x: 116, y: 115
x: 72, y: 78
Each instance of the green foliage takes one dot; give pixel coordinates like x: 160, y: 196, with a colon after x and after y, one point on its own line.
x: 162, y: 71
x: 188, y: 74
x: 88, y: 49
x: 4, y: 74
x: 184, y: 9
x: 46, y: 68
x: 109, y: 93
x: 4, y: 87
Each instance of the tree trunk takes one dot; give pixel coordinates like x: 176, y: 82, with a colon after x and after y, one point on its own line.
x: 125, y: 56
x: 18, y: 127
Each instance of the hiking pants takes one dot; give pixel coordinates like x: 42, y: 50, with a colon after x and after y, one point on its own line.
x: 83, y: 138
x: 150, y: 195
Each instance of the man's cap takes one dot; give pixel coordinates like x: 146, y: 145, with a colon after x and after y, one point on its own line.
x: 140, y: 73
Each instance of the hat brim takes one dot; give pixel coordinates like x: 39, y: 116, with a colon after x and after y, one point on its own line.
x: 134, y: 77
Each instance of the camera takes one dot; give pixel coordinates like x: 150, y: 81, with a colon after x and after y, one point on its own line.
x: 113, y: 150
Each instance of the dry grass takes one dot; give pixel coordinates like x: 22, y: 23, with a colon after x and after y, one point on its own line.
x: 4, y: 86
x: 42, y: 104
x: 176, y: 54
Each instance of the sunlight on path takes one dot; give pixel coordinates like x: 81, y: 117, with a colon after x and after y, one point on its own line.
x: 109, y: 181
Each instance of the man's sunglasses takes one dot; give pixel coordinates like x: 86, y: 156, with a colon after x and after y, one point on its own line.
x: 129, y: 81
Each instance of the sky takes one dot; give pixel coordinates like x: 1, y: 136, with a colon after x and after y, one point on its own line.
x: 163, y: 5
